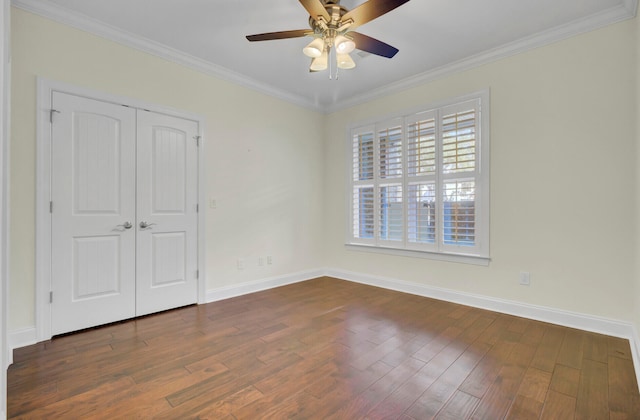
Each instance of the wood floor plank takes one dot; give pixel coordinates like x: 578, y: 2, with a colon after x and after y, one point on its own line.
x: 460, y: 406
x: 347, y: 390
x: 436, y: 345
x: 596, y: 347
x: 379, y: 390
x: 535, y: 384
x: 409, y: 392
x: 558, y: 406
x: 498, y: 398
x: 150, y: 397
x: 548, y: 348
x: 407, y: 350
x: 593, y: 391
x: 531, y: 395
x: 225, y: 407
x: 381, y: 350
x: 325, y: 348
x: 524, y: 408
x: 565, y: 380
x: 436, y: 396
x: 496, y: 402
x: 623, y: 388
x: 85, y: 405
x: 485, y: 372
x: 572, y: 349
x: 619, y: 347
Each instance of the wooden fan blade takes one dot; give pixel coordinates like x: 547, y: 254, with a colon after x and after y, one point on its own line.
x: 370, y: 10
x: 372, y: 45
x: 315, y: 9
x: 279, y: 35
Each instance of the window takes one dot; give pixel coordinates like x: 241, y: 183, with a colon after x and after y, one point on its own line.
x: 420, y: 182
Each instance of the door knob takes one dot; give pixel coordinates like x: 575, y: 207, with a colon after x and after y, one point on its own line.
x: 126, y: 225
x: 145, y: 225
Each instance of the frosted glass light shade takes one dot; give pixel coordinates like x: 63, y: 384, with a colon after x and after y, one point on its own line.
x: 344, y: 45
x: 314, y: 49
x: 345, y: 61
x: 320, y: 63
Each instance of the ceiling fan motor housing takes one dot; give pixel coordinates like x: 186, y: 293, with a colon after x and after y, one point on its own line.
x: 329, y: 20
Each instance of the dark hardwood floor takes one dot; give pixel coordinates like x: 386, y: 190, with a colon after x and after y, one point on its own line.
x: 326, y: 348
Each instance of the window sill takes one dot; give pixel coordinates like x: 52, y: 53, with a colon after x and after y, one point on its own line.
x: 438, y: 256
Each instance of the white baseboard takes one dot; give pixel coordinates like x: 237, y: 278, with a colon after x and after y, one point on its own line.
x: 20, y: 338
x: 260, y: 285
x: 635, y: 352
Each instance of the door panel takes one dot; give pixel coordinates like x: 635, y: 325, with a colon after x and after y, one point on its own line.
x: 93, y: 255
x: 96, y: 164
x: 168, y: 258
x: 167, y: 203
x: 95, y: 267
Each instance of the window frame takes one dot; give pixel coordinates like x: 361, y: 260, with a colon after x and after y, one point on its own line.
x: 438, y: 250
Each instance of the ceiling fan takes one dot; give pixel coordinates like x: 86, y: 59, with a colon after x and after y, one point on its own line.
x: 332, y: 29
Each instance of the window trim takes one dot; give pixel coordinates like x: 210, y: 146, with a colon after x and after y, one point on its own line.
x: 481, y: 254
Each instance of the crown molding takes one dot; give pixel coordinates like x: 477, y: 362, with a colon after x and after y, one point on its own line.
x: 117, y: 35
x: 624, y: 11
x: 631, y: 6
x: 627, y: 9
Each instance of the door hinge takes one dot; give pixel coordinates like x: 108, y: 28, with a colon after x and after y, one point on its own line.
x: 197, y: 139
x: 197, y: 208
x: 197, y: 274
x: 50, y: 206
x: 50, y: 297
x: 51, y: 112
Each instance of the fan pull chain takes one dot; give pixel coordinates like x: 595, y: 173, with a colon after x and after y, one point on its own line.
x: 333, y: 57
x: 331, y: 54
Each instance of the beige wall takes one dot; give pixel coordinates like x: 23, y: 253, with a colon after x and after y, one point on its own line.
x: 262, y: 154
x: 562, y: 177
x: 563, y: 152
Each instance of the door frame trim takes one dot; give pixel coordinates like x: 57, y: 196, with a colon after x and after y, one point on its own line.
x: 45, y: 89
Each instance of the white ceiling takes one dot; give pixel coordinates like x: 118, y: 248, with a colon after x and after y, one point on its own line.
x: 434, y: 37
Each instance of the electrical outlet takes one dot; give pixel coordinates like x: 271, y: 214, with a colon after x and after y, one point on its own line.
x: 240, y: 264
x: 525, y: 278
x: 269, y: 259
x: 260, y: 261
x: 213, y: 203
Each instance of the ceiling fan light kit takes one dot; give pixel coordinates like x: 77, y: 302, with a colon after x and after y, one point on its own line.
x: 344, y: 45
x: 314, y: 49
x: 345, y: 61
x: 332, y: 28
x: 320, y: 63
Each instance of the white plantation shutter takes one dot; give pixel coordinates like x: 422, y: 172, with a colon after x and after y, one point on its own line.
x: 421, y: 145
x: 363, y: 204
x: 421, y: 180
x: 459, y: 212
x: 460, y: 125
x: 417, y: 182
x: 390, y: 226
x: 459, y: 141
x: 422, y: 213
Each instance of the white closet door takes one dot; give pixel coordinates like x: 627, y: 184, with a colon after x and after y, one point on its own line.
x: 93, y: 195
x: 167, y: 205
